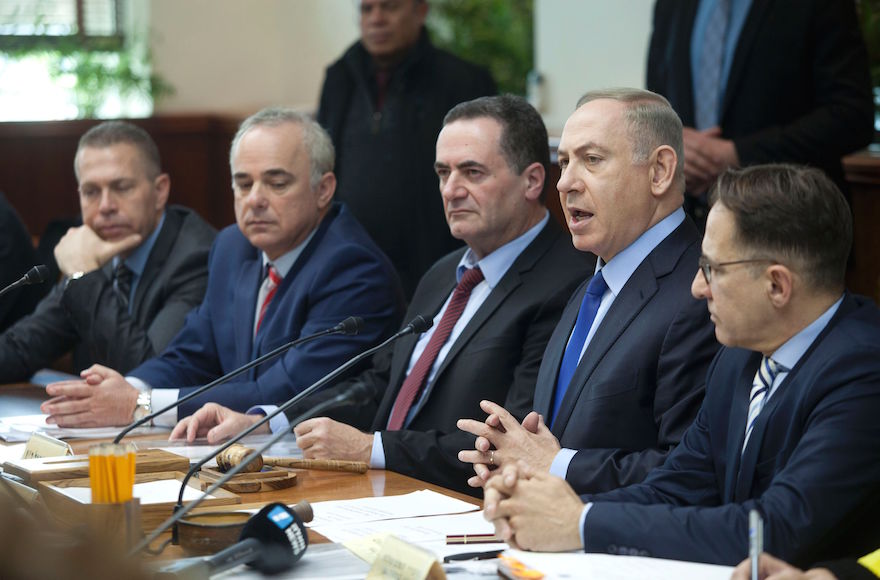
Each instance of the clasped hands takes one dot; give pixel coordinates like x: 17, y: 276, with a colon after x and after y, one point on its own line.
x: 706, y: 156
x: 530, y: 508
x: 501, y: 440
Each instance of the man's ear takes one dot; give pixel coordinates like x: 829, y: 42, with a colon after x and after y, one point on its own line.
x: 661, y: 169
x: 162, y: 186
x: 780, y: 283
x: 326, y: 188
x: 534, y: 175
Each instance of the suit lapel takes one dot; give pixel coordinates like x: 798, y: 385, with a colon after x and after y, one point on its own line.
x: 246, y: 289
x: 160, y: 252
x: 637, y: 292
x: 736, y: 428
x: 427, y: 304
x: 549, y: 370
x: 744, y: 45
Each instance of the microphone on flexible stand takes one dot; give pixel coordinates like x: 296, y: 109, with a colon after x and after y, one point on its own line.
x: 417, y: 325
x: 36, y: 275
x: 351, y: 325
x: 356, y: 395
x: 272, y: 541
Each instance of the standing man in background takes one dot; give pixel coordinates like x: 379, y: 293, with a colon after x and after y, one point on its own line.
x: 383, y: 104
x: 761, y: 81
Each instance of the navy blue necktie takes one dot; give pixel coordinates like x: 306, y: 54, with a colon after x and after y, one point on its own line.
x: 586, y: 315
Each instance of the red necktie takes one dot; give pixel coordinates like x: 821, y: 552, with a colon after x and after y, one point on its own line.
x: 413, y: 384
x: 273, y: 280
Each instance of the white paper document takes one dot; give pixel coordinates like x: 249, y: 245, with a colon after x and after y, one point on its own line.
x: 20, y: 428
x: 369, y: 509
x: 608, y: 567
x: 151, y: 492
x: 426, y: 532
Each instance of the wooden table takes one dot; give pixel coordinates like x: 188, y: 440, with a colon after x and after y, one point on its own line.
x: 312, y: 485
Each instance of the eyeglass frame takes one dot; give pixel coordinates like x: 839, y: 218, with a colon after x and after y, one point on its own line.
x: 706, y: 265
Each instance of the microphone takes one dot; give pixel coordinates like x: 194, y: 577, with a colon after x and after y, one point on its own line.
x: 272, y: 541
x: 351, y: 325
x: 354, y: 395
x: 36, y: 275
x: 417, y: 325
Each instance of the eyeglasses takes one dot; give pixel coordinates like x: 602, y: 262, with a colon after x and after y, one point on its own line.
x: 706, y: 266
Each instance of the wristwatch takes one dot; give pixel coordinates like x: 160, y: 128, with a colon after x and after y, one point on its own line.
x: 72, y: 277
x: 144, y: 405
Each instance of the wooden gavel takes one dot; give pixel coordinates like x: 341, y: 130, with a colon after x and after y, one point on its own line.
x: 236, y: 454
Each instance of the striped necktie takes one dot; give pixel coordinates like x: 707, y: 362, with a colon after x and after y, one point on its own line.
x: 760, y: 391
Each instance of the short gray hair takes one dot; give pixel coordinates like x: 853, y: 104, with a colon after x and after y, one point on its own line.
x: 650, y: 122
x: 316, y: 140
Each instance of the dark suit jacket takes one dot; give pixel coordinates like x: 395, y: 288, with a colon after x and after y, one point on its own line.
x: 799, y: 89
x: 340, y: 273
x: 17, y: 256
x: 812, y: 465
x: 87, y: 316
x: 496, y: 357
x: 640, y: 381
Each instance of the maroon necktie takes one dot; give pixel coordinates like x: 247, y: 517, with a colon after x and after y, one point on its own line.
x: 414, y: 382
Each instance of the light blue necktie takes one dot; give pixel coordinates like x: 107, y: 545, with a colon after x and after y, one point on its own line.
x: 708, y: 92
x: 586, y: 315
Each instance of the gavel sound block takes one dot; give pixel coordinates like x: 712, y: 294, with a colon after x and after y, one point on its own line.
x: 236, y: 454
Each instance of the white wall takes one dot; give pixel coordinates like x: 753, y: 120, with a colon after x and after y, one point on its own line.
x: 588, y: 44
x: 229, y: 56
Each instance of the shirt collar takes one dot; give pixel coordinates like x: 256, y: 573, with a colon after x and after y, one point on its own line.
x: 617, y: 271
x: 285, y: 262
x: 496, y: 264
x: 137, y: 260
x: 794, y: 348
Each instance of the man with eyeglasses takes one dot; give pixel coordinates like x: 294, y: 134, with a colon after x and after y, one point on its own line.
x: 789, y: 426
x: 623, y: 374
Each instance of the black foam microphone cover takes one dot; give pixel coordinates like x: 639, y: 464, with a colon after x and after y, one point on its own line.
x: 282, y: 534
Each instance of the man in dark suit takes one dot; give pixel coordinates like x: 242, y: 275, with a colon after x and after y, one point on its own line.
x: 17, y: 256
x: 296, y: 263
x: 619, y: 384
x: 789, y: 424
x: 383, y: 104
x: 131, y: 272
x: 761, y: 81
x: 492, y: 160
